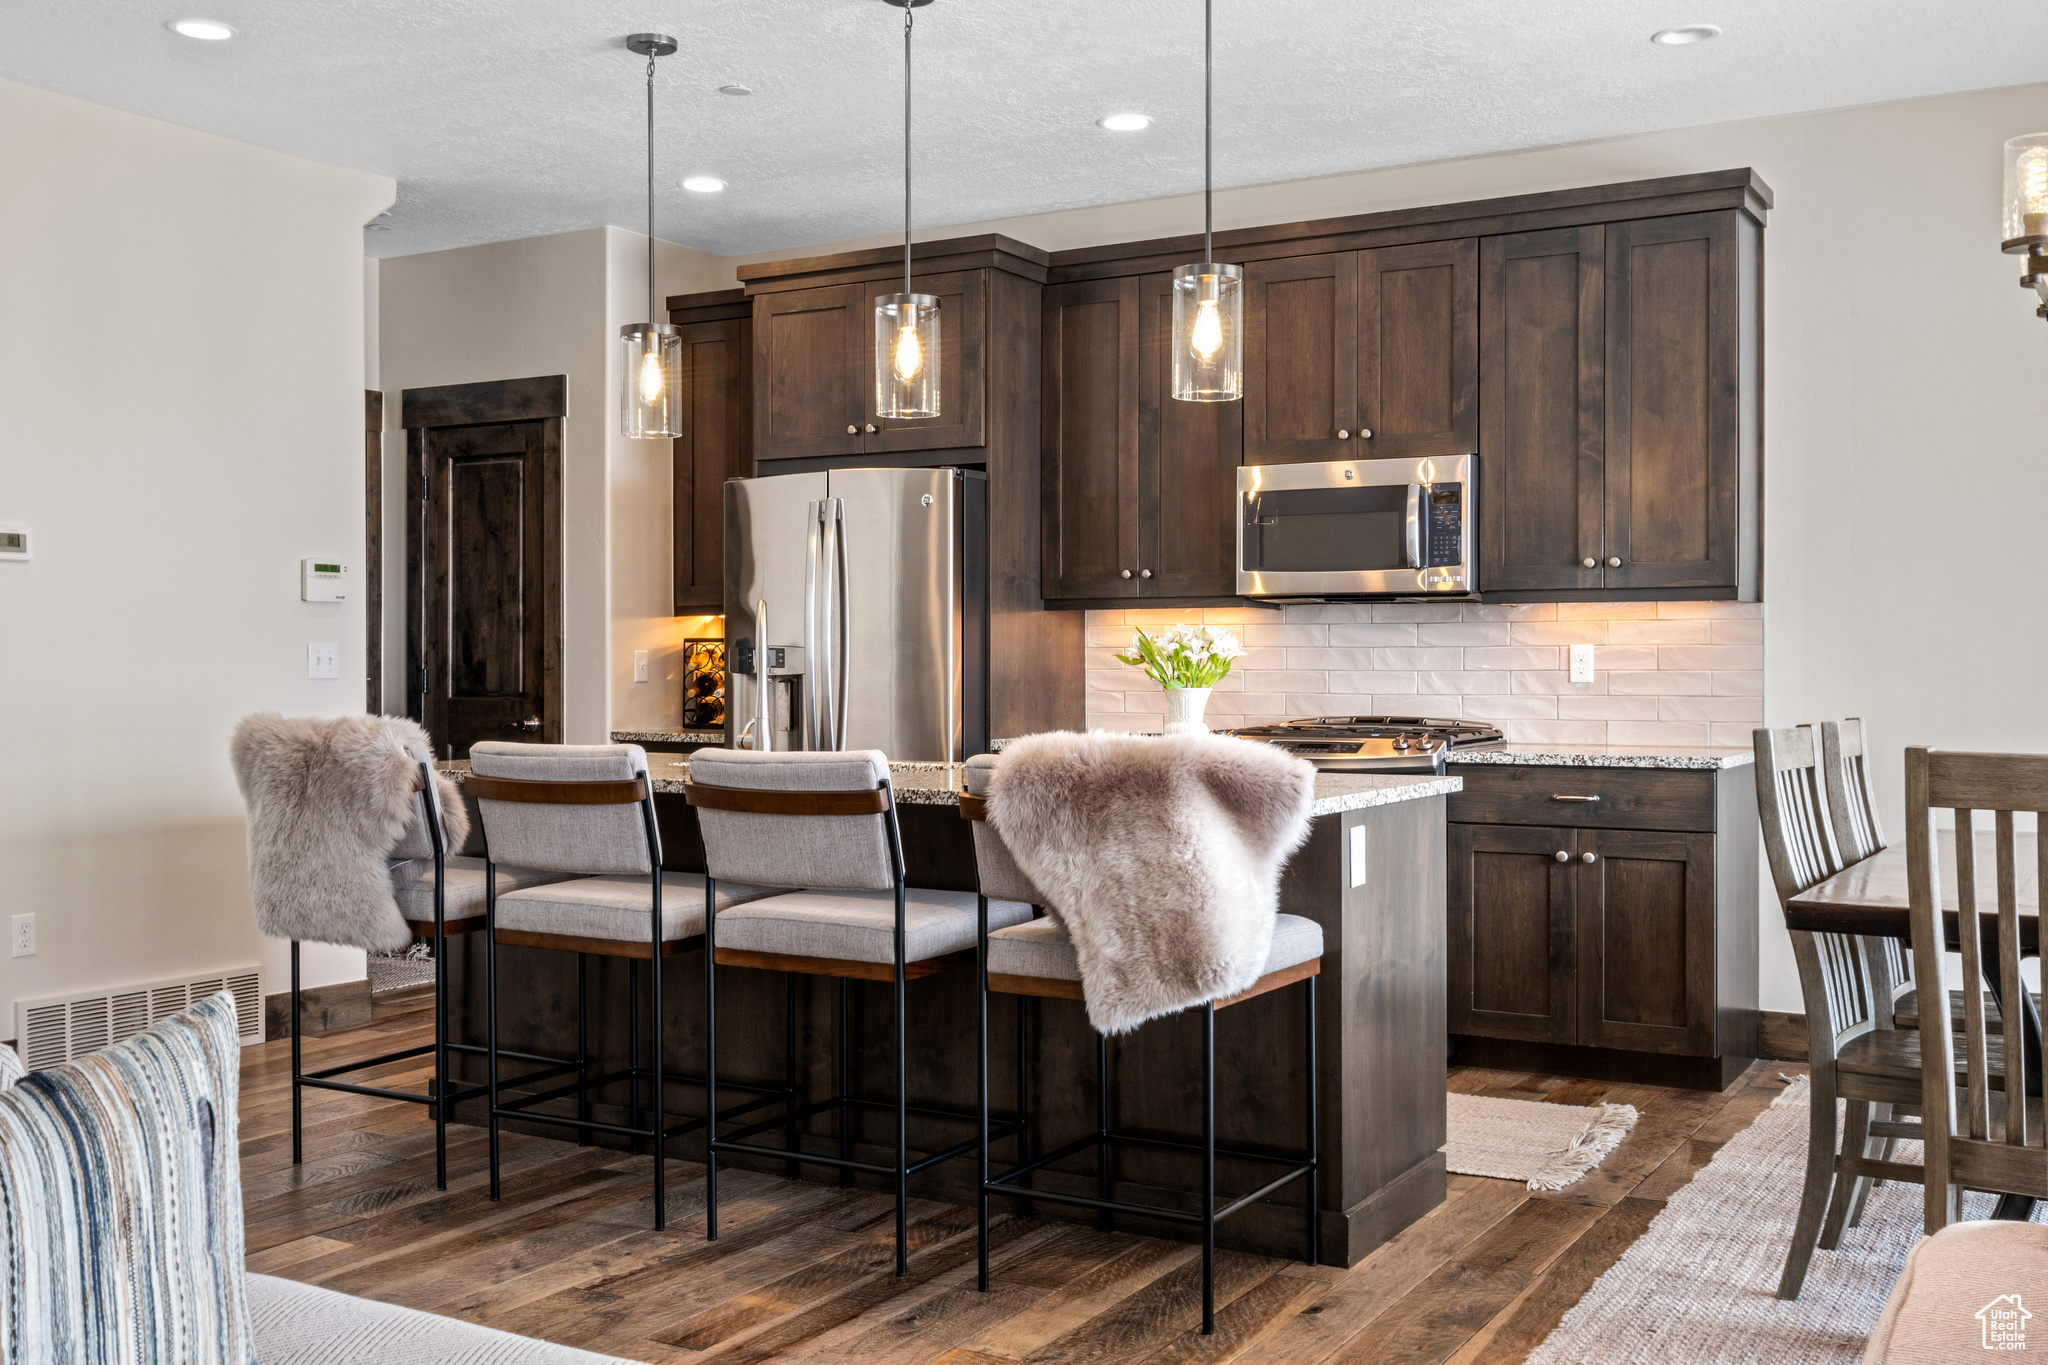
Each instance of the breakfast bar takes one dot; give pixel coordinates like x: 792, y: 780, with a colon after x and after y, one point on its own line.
x: 1372, y: 874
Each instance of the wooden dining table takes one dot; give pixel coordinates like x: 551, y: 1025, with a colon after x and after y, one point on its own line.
x: 1870, y: 898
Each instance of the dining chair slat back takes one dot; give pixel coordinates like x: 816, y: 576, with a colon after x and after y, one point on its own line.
x: 1845, y: 749
x: 1988, y: 1141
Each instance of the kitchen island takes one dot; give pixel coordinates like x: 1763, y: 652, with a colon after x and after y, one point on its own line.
x: 1372, y: 874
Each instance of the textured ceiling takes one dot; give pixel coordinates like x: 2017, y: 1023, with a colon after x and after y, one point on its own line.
x: 512, y: 118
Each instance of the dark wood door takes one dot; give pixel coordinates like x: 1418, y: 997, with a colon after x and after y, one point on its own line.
x: 1188, y: 454
x: 963, y: 367
x: 1646, y: 941
x: 716, y: 445
x: 1301, y: 359
x: 1672, y: 450
x: 1542, y: 417
x: 1513, y: 933
x: 807, y: 350
x: 1418, y: 350
x: 494, y: 584
x: 1089, y: 481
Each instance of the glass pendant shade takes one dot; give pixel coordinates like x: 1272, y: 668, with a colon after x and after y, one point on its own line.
x: 1208, y: 333
x: 2026, y: 188
x: 651, y: 356
x: 907, y: 355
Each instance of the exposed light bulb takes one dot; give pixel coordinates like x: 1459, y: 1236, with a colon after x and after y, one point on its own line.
x: 909, y: 352
x: 651, y: 377
x: 2034, y: 179
x: 1205, y: 338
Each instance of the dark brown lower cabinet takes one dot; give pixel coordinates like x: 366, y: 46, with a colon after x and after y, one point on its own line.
x: 1595, y: 943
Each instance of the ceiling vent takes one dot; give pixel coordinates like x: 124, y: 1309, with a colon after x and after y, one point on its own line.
x: 57, y: 1028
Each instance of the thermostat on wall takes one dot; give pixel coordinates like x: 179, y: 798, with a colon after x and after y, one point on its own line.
x: 323, y: 580
x: 13, y: 542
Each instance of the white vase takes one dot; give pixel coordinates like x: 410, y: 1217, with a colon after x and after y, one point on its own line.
x: 1184, y: 707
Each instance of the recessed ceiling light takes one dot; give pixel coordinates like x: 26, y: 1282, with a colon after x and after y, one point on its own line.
x: 1124, y: 123
x: 704, y: 184
x: 735, y: 89
x: 211, y: 30
x: 1685, y: 34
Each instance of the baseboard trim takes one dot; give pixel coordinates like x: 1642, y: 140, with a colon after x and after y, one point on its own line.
x: 328, y: 1009
x: 1781, y: 1037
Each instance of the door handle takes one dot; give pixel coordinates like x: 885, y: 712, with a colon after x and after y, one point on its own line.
x: 530, y: 724
x: 764, y: 737
x: 1575, y: 798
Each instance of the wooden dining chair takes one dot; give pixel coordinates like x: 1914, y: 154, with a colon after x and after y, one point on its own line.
x: 1849, y: 1056
x: 1852, y: 811
x: 1991, y: 1138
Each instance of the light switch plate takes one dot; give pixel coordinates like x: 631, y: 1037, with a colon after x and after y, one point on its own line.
x: 323, y: 660
x: 14, y: 543
x: 1357, y: 859
x: 639, y: 665
x: 1582, y: 663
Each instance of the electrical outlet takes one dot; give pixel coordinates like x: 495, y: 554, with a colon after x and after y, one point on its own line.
x: 639, y: 665
x: 23, y: 938
x: 323, y: 660
x: 1582, y: 663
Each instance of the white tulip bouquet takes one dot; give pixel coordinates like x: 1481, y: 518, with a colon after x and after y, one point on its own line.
x: 1184, y: 656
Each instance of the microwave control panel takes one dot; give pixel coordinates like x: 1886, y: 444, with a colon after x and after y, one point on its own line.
x: 1444, y: 525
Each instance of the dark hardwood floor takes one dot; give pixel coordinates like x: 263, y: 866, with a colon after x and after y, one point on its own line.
x: 803, y: 1271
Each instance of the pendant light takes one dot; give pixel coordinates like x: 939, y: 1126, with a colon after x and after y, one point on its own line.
x: 2026, y: 210
x: 907, y: 324
x: 1208, y: 299
x: 651, y: 352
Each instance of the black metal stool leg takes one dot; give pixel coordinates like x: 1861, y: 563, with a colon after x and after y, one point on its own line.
x: 902, y: 1113
x: 583, y: 1138
x: 1025, y: 1150
x: 1314, y: 1134
x: 981, y: 1094
x: 845, y: 1075
x: 633, y: 1048
x: 491, y: 1008
x: 793, y: 1169
x: 297, y: 1125
x: 441, y: 1087
x: 1209, y: 1168
x: 658, y: 1091
x: 1105, y: 1220
x: 710, y: 1059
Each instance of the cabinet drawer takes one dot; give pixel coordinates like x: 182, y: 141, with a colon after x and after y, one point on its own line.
x: 1629, y: 798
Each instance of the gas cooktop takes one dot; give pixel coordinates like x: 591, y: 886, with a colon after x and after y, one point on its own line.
x: 1375, y: 743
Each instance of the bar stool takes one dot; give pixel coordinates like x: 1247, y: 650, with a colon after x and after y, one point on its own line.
x: 1037, y: 959
x: 825, y: 821
x: 589, y: 810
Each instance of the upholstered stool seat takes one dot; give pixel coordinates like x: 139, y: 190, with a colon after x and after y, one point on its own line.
x: 615, y: 907
x: 412, y: 882
x: 859, y: 926
x: 1041, y: 948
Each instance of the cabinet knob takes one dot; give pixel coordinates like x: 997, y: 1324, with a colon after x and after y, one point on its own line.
x: 1127, y: 573
x: 852, y: 430
x: 1342, y: 434
x: 1585, y: 857
x: 1613, y: 563
x: 1563, y: 856
x: 871, y: 426
x: 1144, y: 573
x: 1588, y: 563
x: 1364, y: 434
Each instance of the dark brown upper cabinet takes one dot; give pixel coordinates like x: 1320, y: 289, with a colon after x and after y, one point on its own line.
x: 814, y: 353
x: 1362, y: 354
x: 718, y: 427
x: 1138, y: 486
x: 1618, y: 432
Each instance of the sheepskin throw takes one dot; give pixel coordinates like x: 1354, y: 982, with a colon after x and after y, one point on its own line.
x: 121, y: 1202
x: 1161, y: 857
x: 328, y: 801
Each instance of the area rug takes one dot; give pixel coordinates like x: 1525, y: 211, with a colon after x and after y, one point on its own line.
x: 1700, y: 1285
x: 1546, y: 1146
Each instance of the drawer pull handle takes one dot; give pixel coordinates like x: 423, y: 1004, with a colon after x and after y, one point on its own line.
x: 1575, y: 798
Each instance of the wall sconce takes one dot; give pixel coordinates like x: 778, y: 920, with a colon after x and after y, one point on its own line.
x: 2026, y: 209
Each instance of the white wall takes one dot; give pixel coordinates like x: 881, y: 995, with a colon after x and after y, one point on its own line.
x: 181, y: 367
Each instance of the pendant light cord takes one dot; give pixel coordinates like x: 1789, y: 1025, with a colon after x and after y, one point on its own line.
x: 651, y: 318
x: 908, y: 21
x: 1208, y: 118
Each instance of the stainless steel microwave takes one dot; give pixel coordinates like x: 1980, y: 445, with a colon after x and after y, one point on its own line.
x: 1358, y: 528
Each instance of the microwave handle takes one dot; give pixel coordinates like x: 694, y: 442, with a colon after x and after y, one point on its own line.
x: 1414, y: 526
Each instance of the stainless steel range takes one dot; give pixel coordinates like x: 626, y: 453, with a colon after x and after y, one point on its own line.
x: 1397, y: 744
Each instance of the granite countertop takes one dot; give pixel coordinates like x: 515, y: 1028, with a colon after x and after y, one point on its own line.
x: 1605, y: 756
x: 940, y: 784
x: 668, y: 736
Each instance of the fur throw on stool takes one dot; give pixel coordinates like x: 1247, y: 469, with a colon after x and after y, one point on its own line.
x: 328, y: 801
x: 1162, y: 858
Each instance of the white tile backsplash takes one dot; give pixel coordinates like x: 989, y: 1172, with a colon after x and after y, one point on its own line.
x: 1664, y: 672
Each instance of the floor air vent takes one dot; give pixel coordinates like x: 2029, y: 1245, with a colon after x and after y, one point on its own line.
x: 57, y: 1028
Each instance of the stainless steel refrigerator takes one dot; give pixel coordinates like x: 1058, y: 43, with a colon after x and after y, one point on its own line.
x: 856, y: 612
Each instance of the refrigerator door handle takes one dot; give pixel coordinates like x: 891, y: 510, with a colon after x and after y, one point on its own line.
x: 843, y: 625
x: 814, y: 516
x: 764, y: 731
